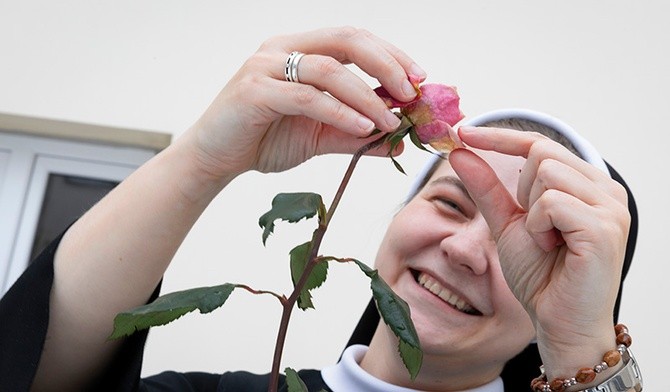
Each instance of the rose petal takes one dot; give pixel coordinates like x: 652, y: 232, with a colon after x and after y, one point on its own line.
x: 449, y: 142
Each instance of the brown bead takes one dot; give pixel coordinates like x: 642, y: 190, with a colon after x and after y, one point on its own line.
x: 586, y: 375
x: 624, y: 338
x: 612, y: 357
x: 557, y: 385
x: 620, y: 328
x: 537, y: 383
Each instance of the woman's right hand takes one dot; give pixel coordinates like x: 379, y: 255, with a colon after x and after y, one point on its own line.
x: 121, y: 247
x: 259, y: 121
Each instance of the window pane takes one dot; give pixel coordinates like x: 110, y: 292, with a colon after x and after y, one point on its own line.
x: 66, y: 198
x: 4, y: 157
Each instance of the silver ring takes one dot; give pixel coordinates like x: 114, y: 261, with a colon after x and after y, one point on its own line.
x: 291, y: 68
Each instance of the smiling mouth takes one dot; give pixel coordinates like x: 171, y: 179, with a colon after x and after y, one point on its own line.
x: 445, y: 294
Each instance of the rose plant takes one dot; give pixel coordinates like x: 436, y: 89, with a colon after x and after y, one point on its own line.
x: 427, y: 119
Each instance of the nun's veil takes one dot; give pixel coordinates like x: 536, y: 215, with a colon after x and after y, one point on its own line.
x: 520, y: 370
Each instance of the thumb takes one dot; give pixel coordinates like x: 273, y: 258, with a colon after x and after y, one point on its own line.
x: 494, y: 201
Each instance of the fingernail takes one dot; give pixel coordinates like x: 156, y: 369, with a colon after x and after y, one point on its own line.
x: 365, y: 124
x: 408, y: 89
x: 417, y: 71
x: 391, y: 119
x: 467, y: 129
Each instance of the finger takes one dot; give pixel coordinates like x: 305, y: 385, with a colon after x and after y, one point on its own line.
x: 535, y: 148
x: 493, y: 200
x: 506, y: 141
x: 306, y: 100
x: 410, y: 66
x: 522, y: 143
x: 327, y: 74
x: 579, y: 224
x: 552, y: 174
x: 549, y: 161
x: 358, y: 46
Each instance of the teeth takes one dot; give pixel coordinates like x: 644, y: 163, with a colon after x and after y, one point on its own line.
x: 445, y: 294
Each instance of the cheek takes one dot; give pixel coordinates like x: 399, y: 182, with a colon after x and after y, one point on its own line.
x: 402, y: 239
x: 388, y: 261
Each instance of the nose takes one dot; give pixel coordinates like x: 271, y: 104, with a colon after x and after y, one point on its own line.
x: 470, y: 246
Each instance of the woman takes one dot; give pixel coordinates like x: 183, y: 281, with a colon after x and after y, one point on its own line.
x: 562, y: 258
x: 462, y: 261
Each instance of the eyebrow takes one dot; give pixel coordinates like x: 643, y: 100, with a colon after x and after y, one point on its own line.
x: 452, y: 180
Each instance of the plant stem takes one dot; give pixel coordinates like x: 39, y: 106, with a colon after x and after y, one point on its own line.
x: 317, y: 237
x: 281, y: 298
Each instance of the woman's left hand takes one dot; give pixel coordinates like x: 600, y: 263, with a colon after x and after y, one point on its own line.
x: 561, y: 240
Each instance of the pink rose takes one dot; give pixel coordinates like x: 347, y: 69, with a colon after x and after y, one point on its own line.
x: 433, y: 112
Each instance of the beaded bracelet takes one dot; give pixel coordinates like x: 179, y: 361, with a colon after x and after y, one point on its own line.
x: 586, y: 375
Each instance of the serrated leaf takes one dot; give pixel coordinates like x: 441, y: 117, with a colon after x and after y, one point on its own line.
x: 396, y: 314
x: 299, y: 258
x: 291, y: 207
x: 293, y: 381
x: 170, y: 307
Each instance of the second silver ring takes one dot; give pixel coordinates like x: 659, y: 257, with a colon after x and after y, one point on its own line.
x: 291, y: 68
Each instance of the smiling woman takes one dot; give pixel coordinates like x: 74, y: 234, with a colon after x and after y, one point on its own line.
x: 511, y: 240
x: 467, y: 256
x: 441, y: 238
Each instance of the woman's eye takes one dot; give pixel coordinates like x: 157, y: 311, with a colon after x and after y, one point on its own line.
x: 450, y: 204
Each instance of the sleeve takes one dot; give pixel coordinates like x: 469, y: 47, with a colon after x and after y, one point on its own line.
x: 24, y: 318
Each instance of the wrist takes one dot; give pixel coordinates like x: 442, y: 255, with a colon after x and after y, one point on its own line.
x: 562, y: 355
x: 616, y: 369
x: 199, y: 179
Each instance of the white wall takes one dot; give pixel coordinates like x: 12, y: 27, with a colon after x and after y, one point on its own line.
x: 601, y: 66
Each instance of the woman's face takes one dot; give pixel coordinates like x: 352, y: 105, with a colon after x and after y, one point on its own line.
x: 439, y: 256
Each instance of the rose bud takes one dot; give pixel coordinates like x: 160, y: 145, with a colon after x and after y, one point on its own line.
x: 433, y: 112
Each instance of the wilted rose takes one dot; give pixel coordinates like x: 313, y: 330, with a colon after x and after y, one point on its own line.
x: 433, y: 112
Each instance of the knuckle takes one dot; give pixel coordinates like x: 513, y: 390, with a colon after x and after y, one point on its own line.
x: 271, y: 43
x: 546, y: 168
x: 338, y: 112
x: 305, y: 96
x: 539, y: 146
x: 328, y: 67
x: 257, y: 61
x: 549, y: 198
x: 391, y: 64
x: 372, y: 100
x: 619, y: 192
x: 346, y: 32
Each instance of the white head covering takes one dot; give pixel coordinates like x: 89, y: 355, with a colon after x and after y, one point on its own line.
x: 583, y: 147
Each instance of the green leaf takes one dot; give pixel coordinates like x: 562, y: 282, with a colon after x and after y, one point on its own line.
x: 398, y: 166
x: 291, y: 207
x: 394, y: 138
x: 299, y: 259
x: 170, y: 307
x: 414, y: 137
x: 293, y: 381
x: 396, y: 314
